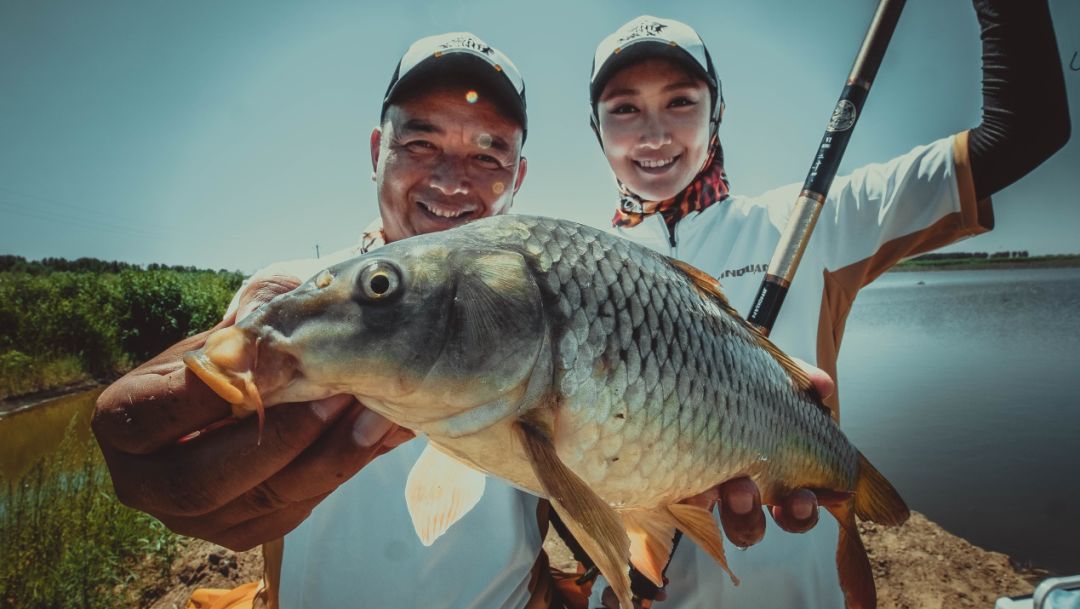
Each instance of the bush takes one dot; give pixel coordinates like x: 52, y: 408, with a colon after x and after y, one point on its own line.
x: 106, y: 321
x: 163, y: 307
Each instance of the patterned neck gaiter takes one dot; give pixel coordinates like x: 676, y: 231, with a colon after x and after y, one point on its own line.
x: 710, y: 186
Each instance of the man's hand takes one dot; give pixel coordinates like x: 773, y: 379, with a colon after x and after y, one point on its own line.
x: 175, y: 452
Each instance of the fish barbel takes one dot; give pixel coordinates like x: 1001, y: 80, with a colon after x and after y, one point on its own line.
x: 577, y: 366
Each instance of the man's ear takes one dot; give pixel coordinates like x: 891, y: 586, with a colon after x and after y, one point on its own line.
x: 523, y: 168
x: 376, y: 142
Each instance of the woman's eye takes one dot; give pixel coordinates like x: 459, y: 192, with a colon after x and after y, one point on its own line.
x: 681, y: 101
x: 624, y: 109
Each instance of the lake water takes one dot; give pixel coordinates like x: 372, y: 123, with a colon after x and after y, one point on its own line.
x: 29, y: 435
x: 961, y: 386
x: 961, y: 389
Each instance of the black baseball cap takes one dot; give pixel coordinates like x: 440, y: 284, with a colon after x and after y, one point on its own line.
x: 646, y: 37
x: 465, y: 55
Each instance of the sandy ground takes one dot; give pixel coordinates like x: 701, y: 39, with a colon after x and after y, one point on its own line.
x: 918, y: 565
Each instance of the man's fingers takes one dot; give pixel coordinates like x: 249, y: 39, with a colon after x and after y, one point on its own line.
x: 740, y: 512
x: 261, y: 290
x: 325, y: 465
x: 356, y: 439
x: 149, y: 415
x: 203, y: 475
x: 271, y: 526
x: 798, y: 512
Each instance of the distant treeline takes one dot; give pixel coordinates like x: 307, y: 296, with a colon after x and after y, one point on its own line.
x: 63, y: 321
x: 972, y: 255
x: 983, y: 260
x: 18, y: 264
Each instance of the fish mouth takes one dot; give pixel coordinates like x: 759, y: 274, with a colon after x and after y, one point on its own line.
x: 446, y: 213
x: 241, y: 368
x: 656, y: 166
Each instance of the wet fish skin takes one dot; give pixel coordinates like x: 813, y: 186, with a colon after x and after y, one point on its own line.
x: 575, y: 365
x: 643, y: 360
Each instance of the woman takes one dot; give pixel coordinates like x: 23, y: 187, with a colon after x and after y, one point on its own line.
x: 656, y: 109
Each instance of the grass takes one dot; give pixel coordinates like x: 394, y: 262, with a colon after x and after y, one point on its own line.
x: 21, y: 374
x: 66, y: 542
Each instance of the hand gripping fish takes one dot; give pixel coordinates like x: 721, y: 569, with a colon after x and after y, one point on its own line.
x: 576, y: 365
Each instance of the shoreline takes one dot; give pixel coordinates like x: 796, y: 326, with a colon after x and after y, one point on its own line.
x: 16, y: 404
x: 985, y: 265
x: 918, y: 564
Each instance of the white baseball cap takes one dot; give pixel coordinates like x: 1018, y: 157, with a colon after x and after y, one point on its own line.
x: 646, y: 37
x: 470, y: 57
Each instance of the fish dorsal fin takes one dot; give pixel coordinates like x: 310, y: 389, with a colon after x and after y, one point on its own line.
x: 592, y: 522
x: 710, y: 287
x: 651, y: 539
x: 697, y: 523
x: 439, y: 491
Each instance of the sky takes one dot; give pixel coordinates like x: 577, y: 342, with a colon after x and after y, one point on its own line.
x: 234, y: 134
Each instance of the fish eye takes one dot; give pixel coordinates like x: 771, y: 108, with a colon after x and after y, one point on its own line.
x: 379, y: 281
x: 379, y: 284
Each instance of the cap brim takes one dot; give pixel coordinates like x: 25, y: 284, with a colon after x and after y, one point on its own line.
x: 473, y: 72
x: 640, y: 51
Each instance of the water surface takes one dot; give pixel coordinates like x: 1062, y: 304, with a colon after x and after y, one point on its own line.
x: 961, y: 386
x: 28, y: 435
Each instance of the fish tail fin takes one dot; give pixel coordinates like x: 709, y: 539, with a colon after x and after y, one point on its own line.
x: 856, y: 578
x: 876, y: 499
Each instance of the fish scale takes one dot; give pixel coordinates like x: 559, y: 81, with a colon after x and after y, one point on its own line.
x: 655, y: 338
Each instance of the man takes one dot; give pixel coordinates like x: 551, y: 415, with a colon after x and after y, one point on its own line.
x: 448, y: 150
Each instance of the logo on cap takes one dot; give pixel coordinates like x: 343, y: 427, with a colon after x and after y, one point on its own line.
x: 647, y: 28
x: 468, y: 42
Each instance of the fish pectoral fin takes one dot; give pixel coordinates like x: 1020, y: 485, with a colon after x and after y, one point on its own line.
x: 440, y: 490
x: 592, y: 522
x: 697, y: 523
x: 856, y: 577
x: 651, y: 540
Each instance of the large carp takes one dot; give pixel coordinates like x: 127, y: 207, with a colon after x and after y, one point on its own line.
x: 574, y: 364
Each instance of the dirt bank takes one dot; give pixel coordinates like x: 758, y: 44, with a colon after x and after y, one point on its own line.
x: 918, y: 565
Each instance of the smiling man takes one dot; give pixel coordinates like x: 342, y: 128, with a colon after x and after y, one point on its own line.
x: 449, y: 147
x: 447, y: 151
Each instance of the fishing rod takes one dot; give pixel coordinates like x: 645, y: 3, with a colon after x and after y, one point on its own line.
x: 789, y: 250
